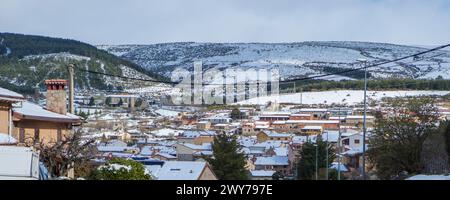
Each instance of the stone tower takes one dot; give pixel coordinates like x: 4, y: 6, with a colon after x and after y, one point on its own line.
x: 56, y: 96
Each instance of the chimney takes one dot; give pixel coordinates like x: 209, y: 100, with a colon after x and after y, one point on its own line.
x: 56, y: 96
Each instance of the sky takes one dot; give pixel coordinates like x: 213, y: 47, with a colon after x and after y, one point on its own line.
x: 411, y: 22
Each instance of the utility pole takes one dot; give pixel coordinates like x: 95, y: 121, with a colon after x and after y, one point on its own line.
x: 364, y: 62
x: 326, y: 151
x: 317, y: 157
x: 339, y: 145
x: 70, y: 68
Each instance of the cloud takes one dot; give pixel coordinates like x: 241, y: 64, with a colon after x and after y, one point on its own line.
x: 156, y: 21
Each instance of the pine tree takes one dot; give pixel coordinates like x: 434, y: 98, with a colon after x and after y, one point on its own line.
x: 306, y: 166
x: 228, y: 163
x: 91, y: 101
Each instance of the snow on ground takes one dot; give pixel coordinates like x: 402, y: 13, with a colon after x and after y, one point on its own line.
x: 62, y: 55
x: 338, y: 96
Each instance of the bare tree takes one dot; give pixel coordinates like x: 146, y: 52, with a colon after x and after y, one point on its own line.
x: 61, y: 156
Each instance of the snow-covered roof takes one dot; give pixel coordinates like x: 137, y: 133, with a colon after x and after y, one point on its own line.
x: 359, y: 117
x: 301, y: 115
x: 9, y: 95
x: 180, y: 170
x: 273, y: 160
x: 262, y: 173
x: 279, y: 122
x: 115, y: 149
x: 313, y: 110
x: 165, y: 132
x: 312, y: 128
x: 194, y: 134
x: 336, y: 165
x: 312, y: 121
x: 281, y: 151
x: 275, y: 113
x: 122, y: 96
x: 33, y: 111
x: 276, y: 135
x: 203, y: 147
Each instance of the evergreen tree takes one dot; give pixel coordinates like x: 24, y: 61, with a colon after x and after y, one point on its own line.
x: 445, y: 130
x: 235, y: 114
x: 122, y: 169
x: 108, y: 101
x: 91, y: 101
x: 306, y: 166
x: 228, y: 163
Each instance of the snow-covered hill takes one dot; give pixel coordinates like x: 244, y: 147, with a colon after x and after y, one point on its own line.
x: 292, y: 59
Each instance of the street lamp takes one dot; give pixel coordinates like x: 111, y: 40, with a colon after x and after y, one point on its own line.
x: 339, y: 142
x: 364, y: 63
x: 326, y: 151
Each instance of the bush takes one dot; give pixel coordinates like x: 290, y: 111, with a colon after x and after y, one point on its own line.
x: 122, y: 169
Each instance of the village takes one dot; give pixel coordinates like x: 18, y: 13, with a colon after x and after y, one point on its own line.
x: 172, y: 141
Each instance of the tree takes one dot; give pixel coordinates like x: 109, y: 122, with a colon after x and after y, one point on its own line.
x: 227, y: 162
x: 122, y: 169
x: 306, y: 166
x: 396, y: 142
x: 278, y: 176
x: 63, y: 155
x: 235, y: 113
x: 445, y: 130
x: 108, y: 101
x: 91, y: 101
x: 120, y: 102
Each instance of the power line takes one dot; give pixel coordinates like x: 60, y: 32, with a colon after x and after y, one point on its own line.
x: 284, y: 81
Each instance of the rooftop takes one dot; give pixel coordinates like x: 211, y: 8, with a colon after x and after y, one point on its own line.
x: 180, y: 170
x: 33, y: 111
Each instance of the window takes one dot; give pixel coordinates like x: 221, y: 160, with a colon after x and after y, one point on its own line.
x: 36, y: 135
x: 356, y: 141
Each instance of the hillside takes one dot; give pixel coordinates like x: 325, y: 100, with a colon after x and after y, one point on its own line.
x: 292, y: 59
x: 25, y: 61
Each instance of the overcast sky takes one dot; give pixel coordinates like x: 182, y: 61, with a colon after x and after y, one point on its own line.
x: 424, y: 22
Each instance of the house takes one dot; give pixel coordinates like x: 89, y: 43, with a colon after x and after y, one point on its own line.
x: 300, y: 117
x: 34, y: 124
x: 203, y: 125
x: 357, y: 120
x: 274, y: 116
x: 253, y: 128
x: 261, y: 174
x: 316, y: 113
x: 189, y: 152
x: 184, y: 170
x: 263, y: 136
x: 7, y: 99
x: 164, y: 156
x: 221, y: 118
x: 122, y: 100
x: 311, y: 130
x: 326, y: 124
x: 273, y: 163
x: 353, y: 141
x: 196, y: 137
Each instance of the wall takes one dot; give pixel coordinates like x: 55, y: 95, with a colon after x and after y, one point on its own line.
x: 207, y: 174
x: 48, y: 131
x: 4, y: 117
